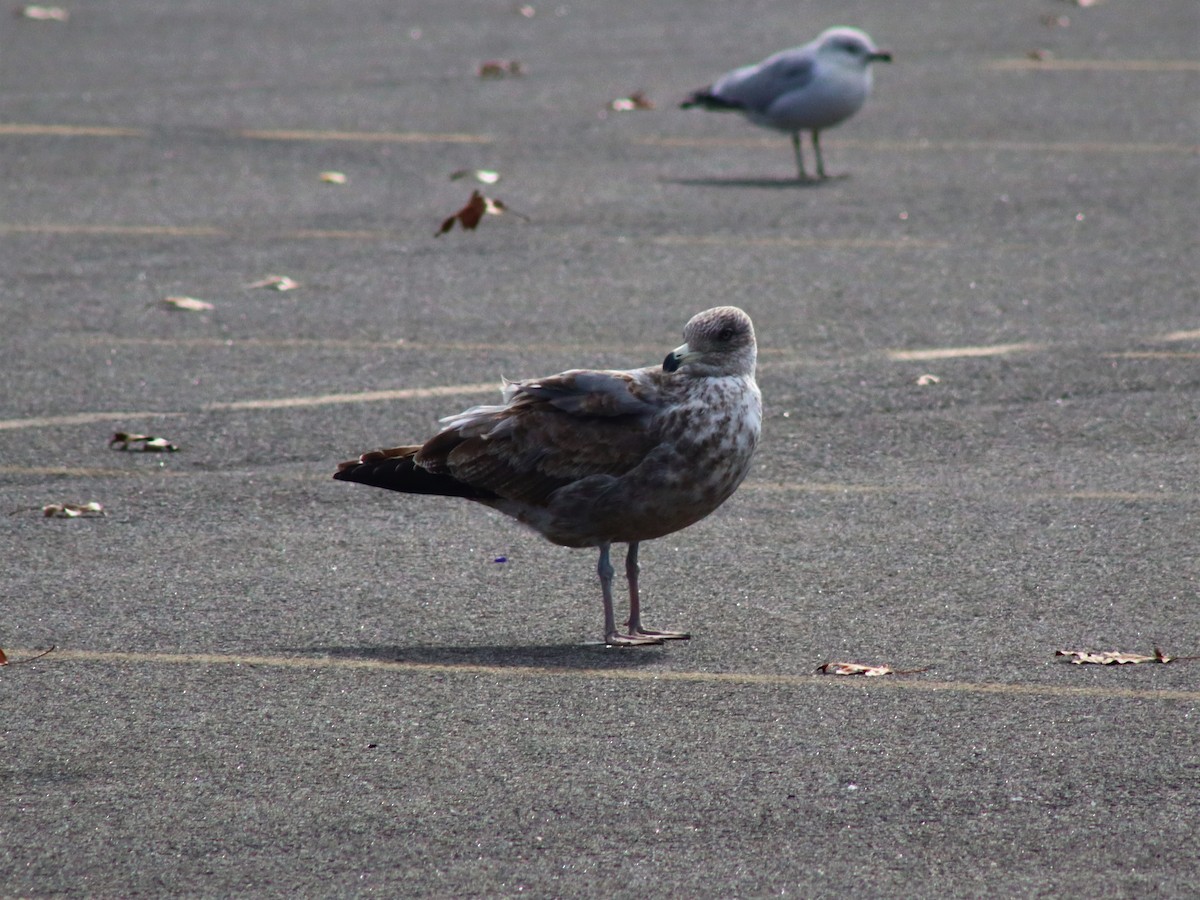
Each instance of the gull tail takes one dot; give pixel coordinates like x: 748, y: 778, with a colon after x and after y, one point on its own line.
x: 395, y: 470
x: 706, y: 99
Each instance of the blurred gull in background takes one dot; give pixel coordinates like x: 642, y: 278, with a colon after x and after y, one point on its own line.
x: 808, y: 88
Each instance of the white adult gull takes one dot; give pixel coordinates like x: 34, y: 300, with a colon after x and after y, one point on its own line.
x: 590, y: 458
x: 808, y: 88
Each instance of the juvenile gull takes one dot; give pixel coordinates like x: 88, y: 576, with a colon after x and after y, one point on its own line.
x: 808, y: 88
x: 591, y: 458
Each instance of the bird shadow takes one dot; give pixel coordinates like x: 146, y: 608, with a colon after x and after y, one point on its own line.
x: 742, y: 182
x: 542, y: 656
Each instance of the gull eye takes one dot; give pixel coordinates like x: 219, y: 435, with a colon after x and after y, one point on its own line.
x: 725, y: 335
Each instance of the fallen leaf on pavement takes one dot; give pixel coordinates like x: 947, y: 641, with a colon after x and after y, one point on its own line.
x: 72, y: 510
x: 636, y: 100
x: 471, y: 214
x: 275, y: 283
x: 853, y: 668
x: 44, y: 13
x: 1112, y: 657
x: 484, y: 175
x: 850, y: 668
x: 500, y: 68
x: 148, y: 443
x: 191, y: 304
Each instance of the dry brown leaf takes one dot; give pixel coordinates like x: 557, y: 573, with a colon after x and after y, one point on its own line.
x: 471, y: 214
x: 636, y: 100
x: 1112, y: 657
x: 851, y: 668
x: 483, y: 175
x: 72, y: 510
x: 500, y: 68
x: 3, y: 658
x: 191, y: 304
x: 333, y: 177
x: 275, y: 283
x: 145, y: 443
x: 43, y: 13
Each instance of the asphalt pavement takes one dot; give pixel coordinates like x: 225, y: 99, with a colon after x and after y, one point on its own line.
x: 980, y: 362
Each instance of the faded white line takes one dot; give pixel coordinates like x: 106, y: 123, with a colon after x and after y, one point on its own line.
x: 366, y: 137
x: 962, y: 352
x: 86, y: 418
x: 945, y: 146
x: 819, y: 682
x: 1025, y: 64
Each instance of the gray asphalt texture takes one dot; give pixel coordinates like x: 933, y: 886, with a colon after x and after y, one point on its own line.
x: 269, y: 683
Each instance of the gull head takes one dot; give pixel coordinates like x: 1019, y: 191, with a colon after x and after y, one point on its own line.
x: 717, y: 342
x: 849, y: 47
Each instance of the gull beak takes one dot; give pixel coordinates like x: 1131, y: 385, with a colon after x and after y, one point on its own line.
x: 880, y: 56
x: 677, y: 357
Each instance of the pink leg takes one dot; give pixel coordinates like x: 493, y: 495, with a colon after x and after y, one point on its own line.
x: 635, y: 602
x: 611, y: 637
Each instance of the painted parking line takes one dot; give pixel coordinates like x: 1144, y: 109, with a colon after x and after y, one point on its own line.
x: 364, y: 137
x: 882, y: 146
x: 483, y: 388
x: 940, y: 146
x: 85, y: 418
x: 519, y: 672
x: 1027, y: 64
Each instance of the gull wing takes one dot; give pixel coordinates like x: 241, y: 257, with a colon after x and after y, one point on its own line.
x: 551, y: 433
x: 756, y: 87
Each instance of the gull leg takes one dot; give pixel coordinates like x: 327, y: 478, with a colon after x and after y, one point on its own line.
x: 605, y: 570
x: 817, y: 150
x: 635, y: 602
x: 801, y: 174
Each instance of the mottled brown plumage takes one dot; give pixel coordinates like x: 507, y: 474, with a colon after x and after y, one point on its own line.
x: 589, y: 458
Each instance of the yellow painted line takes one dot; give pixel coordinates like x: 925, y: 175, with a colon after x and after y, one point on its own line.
x: 86, y: 418
x: 103, y: 340
x: 1094, y: 65
x: 1154, y: 354
x: 327, y: 234
x: 116, y: 230
x: 366, y: 137
x: 449, y: 390
x: 835, y: 489
x: 511, y: 673
x: 69, y: 130
x: 1010, y: 492
x: 961, y: 352
x: 69, y: 472
x: 722, y: 240
x: 921, y: 146
x: 1189, y: 335
x: 83, y: 418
